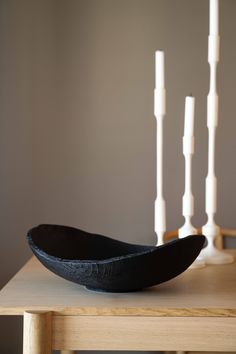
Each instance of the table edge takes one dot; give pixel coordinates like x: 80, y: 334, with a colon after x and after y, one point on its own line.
x: 129, y: 311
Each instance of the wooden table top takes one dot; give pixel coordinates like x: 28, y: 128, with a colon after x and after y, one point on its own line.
x: 210, y: 291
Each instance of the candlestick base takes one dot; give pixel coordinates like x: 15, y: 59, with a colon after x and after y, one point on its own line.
x: 160, y: 239
x: 211, y: 255
x: 188, y: 229
x: 198, y: 263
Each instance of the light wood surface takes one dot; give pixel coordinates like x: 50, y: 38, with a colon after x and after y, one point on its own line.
x: 210, y: 291
x: 144, y: 333
x: 195, y: 311
x: 37, y: 337
x: 219, y: 243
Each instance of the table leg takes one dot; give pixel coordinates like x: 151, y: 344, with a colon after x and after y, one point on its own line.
x: 37, y: 337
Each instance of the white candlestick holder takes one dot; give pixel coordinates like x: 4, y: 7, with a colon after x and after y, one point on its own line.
x: 211, y: 230
x: 188, y: 199
x: 159, y: 111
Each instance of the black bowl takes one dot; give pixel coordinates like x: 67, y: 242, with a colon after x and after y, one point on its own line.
x: 102, y: 263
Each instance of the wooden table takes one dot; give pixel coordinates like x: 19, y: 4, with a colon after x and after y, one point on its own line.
x: 194, y: 312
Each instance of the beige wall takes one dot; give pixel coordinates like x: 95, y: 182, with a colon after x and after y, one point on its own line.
x: 77, y: 132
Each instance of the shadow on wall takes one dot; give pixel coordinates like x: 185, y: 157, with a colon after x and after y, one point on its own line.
x: 11, y: 332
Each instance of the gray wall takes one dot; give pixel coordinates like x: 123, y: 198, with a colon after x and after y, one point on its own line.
x: 77, y: 132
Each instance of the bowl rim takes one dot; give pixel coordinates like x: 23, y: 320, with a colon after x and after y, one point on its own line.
x: 148, y: 250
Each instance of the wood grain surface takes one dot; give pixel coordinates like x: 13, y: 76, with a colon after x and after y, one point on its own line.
x: 210, y: 291
x: 144, y: 333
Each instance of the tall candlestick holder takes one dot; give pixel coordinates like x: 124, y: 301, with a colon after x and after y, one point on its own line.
x: 188, y: 199
x: 211, y: 230
x: 159, y: 112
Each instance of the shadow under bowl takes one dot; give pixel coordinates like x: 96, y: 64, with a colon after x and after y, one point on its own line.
x: 105, y: 264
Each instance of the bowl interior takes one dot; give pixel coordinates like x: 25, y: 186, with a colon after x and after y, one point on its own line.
x: 70, y: 243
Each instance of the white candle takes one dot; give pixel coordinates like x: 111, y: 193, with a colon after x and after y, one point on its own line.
x: 214, y: 17
x: 160, y: 69
x: 189, y: 116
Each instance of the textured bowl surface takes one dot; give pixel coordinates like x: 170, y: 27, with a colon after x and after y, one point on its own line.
x: 102, y: 263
